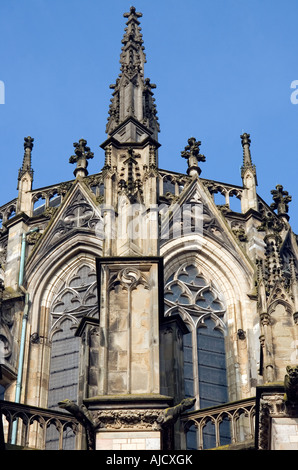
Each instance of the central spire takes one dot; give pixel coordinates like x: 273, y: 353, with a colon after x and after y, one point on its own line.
x: 132, y: 114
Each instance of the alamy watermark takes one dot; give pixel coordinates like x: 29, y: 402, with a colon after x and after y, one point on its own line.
x: 136, y: 222
x: 294, y: 94
x: 2, y: 92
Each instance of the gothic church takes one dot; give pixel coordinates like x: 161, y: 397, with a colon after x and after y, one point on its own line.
x: 136, y: 312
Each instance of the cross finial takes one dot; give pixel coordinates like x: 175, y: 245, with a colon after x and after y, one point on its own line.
x: 28, y: 143
x: 82, y: 154
x: 245, y: 139
x: 281, y: 199
x: 132, y: 12
x: 192, y: 153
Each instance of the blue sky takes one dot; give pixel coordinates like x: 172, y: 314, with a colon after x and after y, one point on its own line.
x: 222, y: 67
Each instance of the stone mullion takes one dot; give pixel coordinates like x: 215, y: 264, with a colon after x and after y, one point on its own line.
x: 251, y: 424
x: 196, y: 388
x: 60, y: 428
x: 217, y: 433
x: 44, y: 435
x: 47, y: 200
x: 233, y: 428
x: 200, y: 427
x: 129, y: 346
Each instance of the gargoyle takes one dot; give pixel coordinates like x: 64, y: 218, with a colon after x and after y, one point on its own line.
x: 81, y: 413
x: 291, y: 385
x: 169, y: 416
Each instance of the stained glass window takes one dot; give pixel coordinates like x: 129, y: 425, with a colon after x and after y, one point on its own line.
x: 76, y: 299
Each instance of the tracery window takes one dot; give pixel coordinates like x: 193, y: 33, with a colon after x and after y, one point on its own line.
x: 76, y: 298
x: 200, y: 305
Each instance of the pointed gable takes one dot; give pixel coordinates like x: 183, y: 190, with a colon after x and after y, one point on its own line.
x: 195, y: 202
x: 78, y: 213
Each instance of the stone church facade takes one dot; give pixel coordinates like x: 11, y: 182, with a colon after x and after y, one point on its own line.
x: 136, y: 312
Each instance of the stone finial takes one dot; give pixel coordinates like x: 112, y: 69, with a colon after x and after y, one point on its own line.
x: 132, y: 14
x: 192, y: 153
x: 82, y: 154
x: 245, y: 140
x: 281, y: 199
x: 28, y: 143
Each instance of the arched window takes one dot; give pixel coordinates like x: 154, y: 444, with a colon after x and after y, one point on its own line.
x: 76, y: 298
x: 168, y: 185
x: 200, y: 305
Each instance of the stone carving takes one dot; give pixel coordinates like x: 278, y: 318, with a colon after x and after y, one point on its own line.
x: 171, y: 415
x: 270, y: 222
x: 270, y: 405
x: 239, y: 232
x: 129, y: 278
x: 79, y: 215
x: 6, y: 325
x: 192, y: 153
x: 291, y: 385
x: 82, y: 154
x: 212, y: 228
x: 78, y: 297
x: 32, y: 238
x: 142, y: 419
x: 130, y: 176
x: 3, y: 253
x: 281, y: 199
x: 64, y: 188
x: 82, y: 414
x: 128, y: 419
x: 49, y: 212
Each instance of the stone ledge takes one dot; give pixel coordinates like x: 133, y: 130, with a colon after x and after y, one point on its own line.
x: 151, y: 400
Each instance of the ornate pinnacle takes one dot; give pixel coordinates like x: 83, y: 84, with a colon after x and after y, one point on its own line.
x: 26, y: 167
x: 82, y: 154
x: 192, y: 153
x: 247, y: 161
x: 281, y: 199
x: 245, y: 141
x: 132, y: 95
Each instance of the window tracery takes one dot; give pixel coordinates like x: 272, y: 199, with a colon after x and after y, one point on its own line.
x: 76, y: 298
x: 197, y: 301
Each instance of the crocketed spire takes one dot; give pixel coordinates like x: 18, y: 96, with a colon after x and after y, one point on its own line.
x: 132, y: 94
